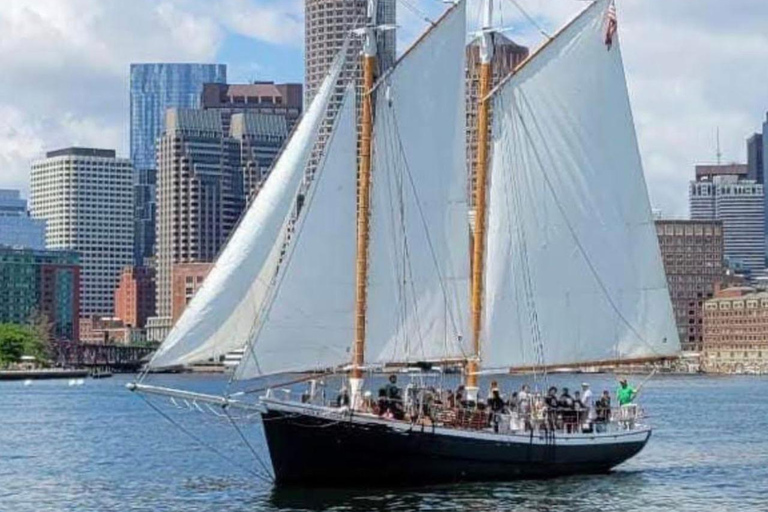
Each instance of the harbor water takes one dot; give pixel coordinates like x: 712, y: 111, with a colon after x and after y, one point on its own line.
x: 98, y: 447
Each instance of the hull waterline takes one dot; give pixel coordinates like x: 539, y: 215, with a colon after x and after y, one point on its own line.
x: 312, y: 449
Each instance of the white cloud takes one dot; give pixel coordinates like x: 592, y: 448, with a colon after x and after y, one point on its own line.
x: 691, y: 67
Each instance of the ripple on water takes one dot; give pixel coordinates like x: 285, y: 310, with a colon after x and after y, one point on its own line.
x: 100, y: 448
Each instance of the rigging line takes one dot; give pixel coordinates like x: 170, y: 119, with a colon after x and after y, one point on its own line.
x: 407, y: 259
x: 395, y: 182
x: 285, y: 263
x: 418, y: 12
x: 249, y: 445
x: 201, y: 442
x: 567, y: 221
x: 427, y: 236
x: 516, y: 188
x: 531, y: 19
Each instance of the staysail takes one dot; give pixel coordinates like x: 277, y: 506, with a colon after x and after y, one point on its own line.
x: 573, y: 271
x: 308, y: 324
x: 221, y: 315
x: 418, y: 275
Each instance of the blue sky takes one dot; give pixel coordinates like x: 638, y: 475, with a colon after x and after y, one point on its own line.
x: 692, y: 66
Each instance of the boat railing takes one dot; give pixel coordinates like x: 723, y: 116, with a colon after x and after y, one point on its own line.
x: 469, y: 416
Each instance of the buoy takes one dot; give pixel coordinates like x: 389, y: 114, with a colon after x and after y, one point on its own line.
x: 28, y: 382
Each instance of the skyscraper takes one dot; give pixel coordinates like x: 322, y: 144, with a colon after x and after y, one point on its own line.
x: 722, y: 193
x: 755, y: 164
x: 327, y: 24
x: 86, y: 197
x: 155, y: 88
x: 17, y: 229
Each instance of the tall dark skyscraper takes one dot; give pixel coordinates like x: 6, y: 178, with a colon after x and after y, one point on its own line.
x: 154, y: 89
x: 755, y: 165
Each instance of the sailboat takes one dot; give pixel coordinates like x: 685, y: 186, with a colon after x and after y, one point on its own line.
x: 565, y: 268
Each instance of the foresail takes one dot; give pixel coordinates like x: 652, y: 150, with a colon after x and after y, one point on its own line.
x: 308, y: 323
x: 574, y: 273
x: 418, y: 276
x: 220, y: 317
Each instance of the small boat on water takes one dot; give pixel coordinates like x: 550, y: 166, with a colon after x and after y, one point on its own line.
x: 565, y: 270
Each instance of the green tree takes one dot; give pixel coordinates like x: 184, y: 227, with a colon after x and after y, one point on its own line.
x: 13, y: 342
x: 39, y: 325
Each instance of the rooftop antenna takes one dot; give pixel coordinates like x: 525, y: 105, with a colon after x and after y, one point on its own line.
x: 719, y: 153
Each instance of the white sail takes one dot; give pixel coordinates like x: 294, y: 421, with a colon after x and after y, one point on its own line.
x: 418, y: 276
x: 573, y: 271
x: 308, y: 324
x: 221, y: 315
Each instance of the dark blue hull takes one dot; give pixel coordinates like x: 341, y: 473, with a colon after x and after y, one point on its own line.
x: 312, y: 450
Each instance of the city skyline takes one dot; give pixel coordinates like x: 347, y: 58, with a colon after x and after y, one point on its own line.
x: 681, y: 65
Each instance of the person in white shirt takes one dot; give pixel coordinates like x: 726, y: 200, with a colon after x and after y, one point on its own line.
x: 589, y: 402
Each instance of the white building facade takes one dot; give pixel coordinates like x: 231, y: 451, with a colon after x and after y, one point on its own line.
x: 86, y: 197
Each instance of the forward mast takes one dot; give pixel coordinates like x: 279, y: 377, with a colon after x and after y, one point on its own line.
x: 364, y: 202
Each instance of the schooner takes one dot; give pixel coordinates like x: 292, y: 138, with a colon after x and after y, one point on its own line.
x: 562, y: 267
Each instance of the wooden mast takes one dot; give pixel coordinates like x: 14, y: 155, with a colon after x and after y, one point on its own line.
x: 481, y: 186
x: 364, y: 200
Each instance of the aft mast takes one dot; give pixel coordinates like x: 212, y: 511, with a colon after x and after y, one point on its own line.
x: 481, y: 186
x: 364, y: 201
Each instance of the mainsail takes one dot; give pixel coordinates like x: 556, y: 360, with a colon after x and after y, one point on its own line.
x: 418, y: 276
x: 419, y: 247
x: 573, y: 271
x: 308, y: 324
x: 220, y: 317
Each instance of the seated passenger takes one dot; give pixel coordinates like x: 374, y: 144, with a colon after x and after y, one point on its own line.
x: 603, y: 411
x: 343, y: 399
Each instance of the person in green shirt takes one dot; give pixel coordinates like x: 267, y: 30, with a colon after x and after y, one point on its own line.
x: 626, y: 393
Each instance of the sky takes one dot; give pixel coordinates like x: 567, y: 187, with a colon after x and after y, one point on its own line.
x: 693, y: 67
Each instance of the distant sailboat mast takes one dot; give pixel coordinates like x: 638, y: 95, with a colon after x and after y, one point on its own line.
x: 364, y: 201
x: 481, y: 186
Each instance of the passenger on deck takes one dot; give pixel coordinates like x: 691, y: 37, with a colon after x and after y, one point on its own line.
x: 524, y: 406
x: 496, y: 405
x: 626, y: 393
x: 603, y: 410
x: 589, y: 402
x: 494, y: 387
x: 513, y: 401
x: 580, y: 410
x: 552, y: 408
x: 566, y: 407
x: 343, y: 399
x: 461, y: 400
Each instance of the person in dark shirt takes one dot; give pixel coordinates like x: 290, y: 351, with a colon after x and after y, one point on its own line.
x: 552, y: 408
x: 566, y: 407
x: 496, y: 406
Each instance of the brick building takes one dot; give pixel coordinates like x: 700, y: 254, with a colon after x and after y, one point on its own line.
x: 187, y: 279
x: 736, y: 332
x: 135, y: 296
x: 692, y: 252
